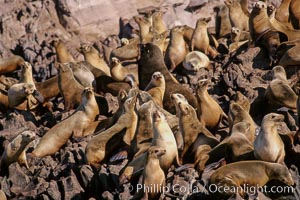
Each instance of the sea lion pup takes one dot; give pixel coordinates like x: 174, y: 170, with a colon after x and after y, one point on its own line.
x: 243, y: 101
x: 82, y: 75
x: 99, y: 147
x: 235, y: 39
x: 156, y: 88
x: 176, y: 50
x: 283, y: 11
x: 245, y: 174
x: 222, y: 22
x: 151, y: 60
x: 279, y: 93
x: 10, y: 64
x: 127, y: 52
x: 158, y: 23
x: 290, y: 57
x: 119, y: 72
x: 268, y: 145
x: 15, y: 150
x: 295, y: 11
x: 207, y: 105
x: 153, y: 175
x: 238, y: 114
x: 194, y: 133
x: 92, y: 56
x: 73, y: 126
x: 62, y: 53
x: 261, y: 30
x: 196, y: 60
x: 234, y: 148
x: 237, y: 16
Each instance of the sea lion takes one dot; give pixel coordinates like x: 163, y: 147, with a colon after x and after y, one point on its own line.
x: 268, y: 145
x: 62, y: 53
x: 234, y: 148
x: 279, y: 93
x: 244, y: 6
x: 82, y: 75
x: 243, y: 101
x: 158, y: 23
x: 244, y: 174
x: 238, y: 114
x: 207, y: 105
x: 194, y: 133
x: 124, y: 41
x: 7, y: 82
x: 98, y: 149
x: 222, y: 22
x: 73, y: 126
x: 156, y: 88
x: 48, y: 88
x: 10, y: 64
x: 290, y: 57
x: 119, y: 72
x: 196, y: 60
x: 127, y: 52
x: 200, y: 40
x: 236, y: 35
x: 144, y: 26
x: 283, y: 12
x: 176, y: 50
x: 92, y: 56
x: 153, y: 175
x: 295, y: 11
x: 261, y: 30
x: 15, y: 150
x: 151, y: 60
x: 237, y: 16
x: 161, y: 41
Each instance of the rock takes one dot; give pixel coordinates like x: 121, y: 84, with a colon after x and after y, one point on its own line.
x: 71, y: 188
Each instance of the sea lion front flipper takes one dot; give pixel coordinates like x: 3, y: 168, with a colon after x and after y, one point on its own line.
x: 23, y: 159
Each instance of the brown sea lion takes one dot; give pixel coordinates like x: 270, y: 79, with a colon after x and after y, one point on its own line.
x: 244, y: 174
x: 200, y: 40
x: 15, y: 150
x: 236, y: 35
x: 290, y: 57
x: 62, y: 53
x: 295, y: 11
x: 153, y: 175
x: 119, y: 72
x: 158, y: 23
x: 156, y: 88
x: 194, y: 133
x: 268, y: 145
x: 243, y: 101
x: 10, y: 64
x: 237, y: 16
x: 144, y: 26
x: 151, y: 60
x: 92, y: 56
x: 161, y: 41
x: 283, y: 11
x: 177, y: 49
x: 127, y: 52
x: 7, y: 82
x: 98, y: 148
x: 279, y: 93
x: 207, y: 105
x: 73, y: 126
x: 196, y: 60
x: 48, y: 88
x: 222, y: 22
x: 3, y: 101
x: 238, y: 114
x: 82, y: 75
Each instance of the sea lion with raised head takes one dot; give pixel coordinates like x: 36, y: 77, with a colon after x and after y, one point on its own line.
x: 98, y: 148
x: 119, y: 72
x: 158, y: 23
x: 10, y: 64
x: 15, y: 150
x: 268, y: 145
x: 144, y: 26
x: 283, y: 11
x: 156, y: 88
x: 237, y: 16
x: 295, y: 13
x: 244, y: 174
x: 243, y: 101
x: 62, y: 53
x: 73, y: 126
x: 151, y: 60
x: 207, y: 105
x: 222, y: 22
x: 127, y: 52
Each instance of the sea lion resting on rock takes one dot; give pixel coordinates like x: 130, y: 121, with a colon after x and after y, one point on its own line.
x: 10, y: 64
x: 62, y: 53
x: 75, y: 125
x: 196, y: 60
x: 249, y: 173
x: 151, y: 60
x: 15, y: 150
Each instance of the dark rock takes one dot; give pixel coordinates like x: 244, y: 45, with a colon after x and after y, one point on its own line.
x: 70, y: 187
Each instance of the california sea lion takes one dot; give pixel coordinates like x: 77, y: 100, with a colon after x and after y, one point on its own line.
x: 295, y: 10
x: 82, y: 74
x: 63, y: 55
x: 97, y: 148
x: 268, y: 145
x: 15, y: 150
x: 144, y: 26
x: 10, y: 64
x: 279, y: 93
x: 161, y: 41
x: 151, y: 60
x: 238, y: 114
x: 127, y: 52
x: 158, y: 23
x: 237, y: 16
x: 177, y: 49
x: 200, y: 40
x: 92, y: 56
x: 196, y: 60
x: 194, y: 133
x: 283, y: 11
x: 243, y: 101
x: 291, y: 56
x: 119, y: 72
x: 48, y: 88
x: 156, y: 88
x: 74, y: 126
x: 246, y: 173
x: 222, y: 22
x: 236, y: 35
x: 153, y: 175
x: 207, y: 105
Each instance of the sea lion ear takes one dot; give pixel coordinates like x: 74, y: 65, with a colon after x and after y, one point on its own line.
x: 208, y: 19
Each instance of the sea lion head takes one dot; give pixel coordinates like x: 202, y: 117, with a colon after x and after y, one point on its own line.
x: 146, y: 110
x: 122, y: 96
x: 158, y: 78
x: 27, y: 137
x: 273, y: 118
x: 241, y: 127
x: 235, y: 108
x: 85, y: 48
x: 271, y: 10
x: 88, y: 93
x: 158, y: 116
x: 278, y: 72
x: 124, y: 41
x: 202, y: 85
x: 156, y: 151
x: 195, y: 60
x: 235, y: 33
x: 177, y: 97
x: 281, y: 173
x: 62, y: 67
x: 129, y: 104
x: 184, y: 108
x: 232, y: 3
x: 28, y: 88
x: 203, y: 21
x: 26, y: 66
x: 177, y: 29
x: 149, y: 51
x: 260, y: 5
x: 159, y: 39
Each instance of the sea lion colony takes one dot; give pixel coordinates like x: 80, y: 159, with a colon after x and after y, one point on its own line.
x: 187, y: 100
